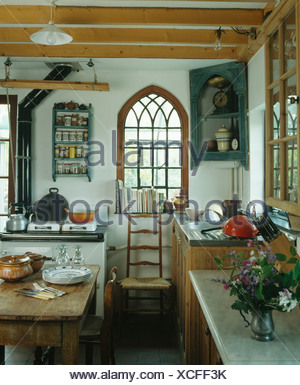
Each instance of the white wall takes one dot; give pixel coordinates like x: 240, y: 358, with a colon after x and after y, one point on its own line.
x: 212, y: 180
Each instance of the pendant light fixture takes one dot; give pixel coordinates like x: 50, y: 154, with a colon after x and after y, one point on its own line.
x: 51, y: 35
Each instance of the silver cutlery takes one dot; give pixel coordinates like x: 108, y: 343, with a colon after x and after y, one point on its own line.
x: 49, y: 289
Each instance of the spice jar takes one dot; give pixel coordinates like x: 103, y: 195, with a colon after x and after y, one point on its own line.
x: 75, y: 120
x: 62, y: 152
x: 58, y: 136
x: 78, y: 152
x: 72, y: 152
x: 85, y: 152
x: 65, y: 136
x: 59, y: 168
x: 85, y: 135
x: 79, y: 136
x: 67, y: 152
x: 68, y: 120
x: 56, y: 151
x: 67, y: 168
x: 74, y: 168
x: 83, y: 168
x: 72, y: 136
x: 84, y: 121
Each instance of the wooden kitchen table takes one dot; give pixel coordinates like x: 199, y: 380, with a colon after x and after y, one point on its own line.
x: 34, y: 322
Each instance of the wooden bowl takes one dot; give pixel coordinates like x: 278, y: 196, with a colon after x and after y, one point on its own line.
x: 37, y: 261
x: 14, y: 268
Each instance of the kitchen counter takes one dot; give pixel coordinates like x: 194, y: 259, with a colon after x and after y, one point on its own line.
x: 232, y: 339
x: 196, y: 233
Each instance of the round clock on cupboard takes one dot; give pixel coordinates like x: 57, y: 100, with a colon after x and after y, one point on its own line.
x: 222, y: 101
x: 234, y: 144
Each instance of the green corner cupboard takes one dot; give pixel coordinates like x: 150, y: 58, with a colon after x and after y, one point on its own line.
x: 218, y: 106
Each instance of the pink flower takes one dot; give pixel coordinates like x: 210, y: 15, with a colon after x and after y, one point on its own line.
x: 227, y: 286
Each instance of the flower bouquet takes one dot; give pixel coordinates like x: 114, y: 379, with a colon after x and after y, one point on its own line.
x: 260, y: 283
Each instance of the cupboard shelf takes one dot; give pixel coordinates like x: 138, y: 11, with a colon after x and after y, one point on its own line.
x: 61, y: 113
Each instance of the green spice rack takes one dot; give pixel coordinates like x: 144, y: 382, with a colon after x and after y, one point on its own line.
x: 71, y: 133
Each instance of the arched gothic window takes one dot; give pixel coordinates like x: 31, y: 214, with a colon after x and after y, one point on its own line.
x: 152, y: 142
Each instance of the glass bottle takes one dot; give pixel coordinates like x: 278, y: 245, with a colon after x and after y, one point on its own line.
x: 62, y: 258
x: 78, y: 257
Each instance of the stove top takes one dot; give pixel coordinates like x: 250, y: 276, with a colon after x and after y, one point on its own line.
x: 81, y: 233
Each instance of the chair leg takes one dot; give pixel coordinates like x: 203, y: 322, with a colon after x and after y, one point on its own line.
x: 38, y: 356
x: 2, y: 355
x: 120, y: 308
x: 52, y: 355
x: 161, y: 303
x: 89, y: 353
x: 171, y: 306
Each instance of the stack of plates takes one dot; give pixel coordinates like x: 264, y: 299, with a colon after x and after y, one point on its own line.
x: 66, y: 275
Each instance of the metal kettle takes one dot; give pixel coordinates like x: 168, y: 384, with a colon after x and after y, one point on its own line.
x: 16, y: 222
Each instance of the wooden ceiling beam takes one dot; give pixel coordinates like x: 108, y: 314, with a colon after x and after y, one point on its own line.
x: 135, y: 16
x: 117, y: 51
x: 130, y: 35
x: 53, y: 85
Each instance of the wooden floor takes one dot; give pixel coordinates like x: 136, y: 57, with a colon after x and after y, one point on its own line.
x: 146, y: 339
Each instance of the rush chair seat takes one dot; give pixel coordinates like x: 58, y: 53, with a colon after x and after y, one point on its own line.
x: 97, y: 330
x: 153, y: 282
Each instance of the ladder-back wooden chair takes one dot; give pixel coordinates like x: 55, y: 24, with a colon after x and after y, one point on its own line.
x: 154, y: 282
x: 97, y: 330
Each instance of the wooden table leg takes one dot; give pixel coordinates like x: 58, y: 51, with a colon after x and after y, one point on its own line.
x: 70, y: 341
x: 2, y: 355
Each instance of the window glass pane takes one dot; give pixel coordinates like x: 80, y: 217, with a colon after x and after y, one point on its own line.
x: 175, y: 157
x: 291, y: 106
x: 130, y: 157
x: 160, y: 158
x: 159, y: 177
x: 174, y: 120
x: 160, y: 120
x: 131, y: 120
x: 4, y: 158
x: 146, y: 177
x: 130, y: 177
x: 174, y: 177
x: 274, y: 56
x: 138, y: 108
x: 174, y: 135
x: 4, y: 124
x: 276, y: 113
x: 145, y: 120
x: 292, y: 153
x: 289, y: 33
x: 152, y: 108
x: 3, y: 223
x: 159, y: 137
x: 146, y: 158
x: 130, y: 136
x: 276, y: 172
x: 160, y: 100
x: 167, y: 108
x: 4, y: 196
x: 145, y: 137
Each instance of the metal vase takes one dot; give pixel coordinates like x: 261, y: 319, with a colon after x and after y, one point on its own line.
x: 262, y: 325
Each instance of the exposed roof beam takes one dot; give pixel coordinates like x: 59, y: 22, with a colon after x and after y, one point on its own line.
x: 130, y: 35
x: 117, y: 51
x: 25, y: 15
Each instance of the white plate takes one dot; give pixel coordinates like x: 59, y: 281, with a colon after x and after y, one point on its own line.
x: 66, y: 275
